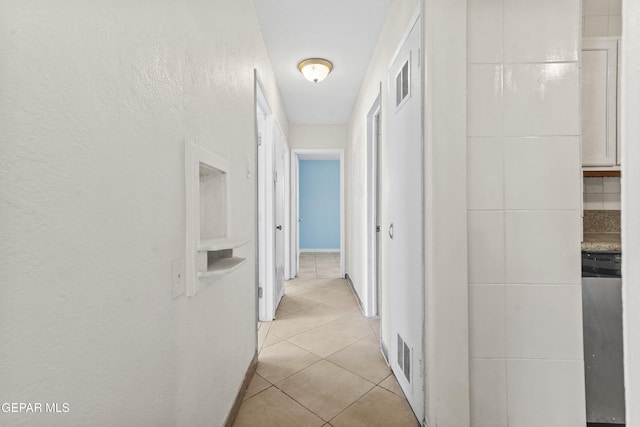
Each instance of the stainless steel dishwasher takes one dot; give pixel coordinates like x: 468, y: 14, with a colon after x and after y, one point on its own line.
x: 602, y: 327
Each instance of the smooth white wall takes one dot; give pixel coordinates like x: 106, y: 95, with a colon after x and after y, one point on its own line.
x: 630, y: 128
x: 97, y: 101
x: 523, y: 127
x: 317, y: 136
x: 446, y: 292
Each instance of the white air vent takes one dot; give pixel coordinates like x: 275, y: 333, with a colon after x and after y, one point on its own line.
x: 402, y: 84
x: 404, y: 358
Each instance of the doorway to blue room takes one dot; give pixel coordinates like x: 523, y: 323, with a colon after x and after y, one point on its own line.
x: 319, y: 205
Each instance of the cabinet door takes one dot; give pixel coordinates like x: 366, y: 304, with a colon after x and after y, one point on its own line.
x: 599, y: 102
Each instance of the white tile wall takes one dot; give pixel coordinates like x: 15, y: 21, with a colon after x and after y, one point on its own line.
x: 486, y: 246
x: 546, y: 393
x: 602, y: 18
x: 485, y: 174
x: 485, y: 105
x: 539, y: 99
x: 484, y: 34
x: 540, y: 173
x: 601, y: 193
x: 488, y: 383
x: 542, y: 247
x: 526, y: 20
x: 541, y: 322
x: 524, y: 224
x: 487, y: 321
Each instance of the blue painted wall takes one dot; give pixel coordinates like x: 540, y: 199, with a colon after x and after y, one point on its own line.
x: 319, y: 193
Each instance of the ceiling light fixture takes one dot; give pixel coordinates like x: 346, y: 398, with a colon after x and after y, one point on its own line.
x: 315, y: 69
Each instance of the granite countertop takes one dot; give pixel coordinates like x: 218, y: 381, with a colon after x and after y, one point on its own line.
x: 601, y: 242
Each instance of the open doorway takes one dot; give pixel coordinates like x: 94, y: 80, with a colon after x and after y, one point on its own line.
x: 313, y: 236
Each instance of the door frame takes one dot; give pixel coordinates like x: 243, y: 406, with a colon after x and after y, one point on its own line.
x: 374, y: 117
x: 265, y: 204
x: 298, y: 154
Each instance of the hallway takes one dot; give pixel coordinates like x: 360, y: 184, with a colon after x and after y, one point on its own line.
x: 319, y: 362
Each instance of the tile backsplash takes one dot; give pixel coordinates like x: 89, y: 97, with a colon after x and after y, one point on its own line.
x: 602, y: 18
x: 601, y: 193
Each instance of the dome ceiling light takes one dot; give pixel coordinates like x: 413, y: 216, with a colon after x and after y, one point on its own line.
x: 315, y: 69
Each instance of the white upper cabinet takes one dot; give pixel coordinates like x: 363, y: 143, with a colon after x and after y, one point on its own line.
x: 599, y: 102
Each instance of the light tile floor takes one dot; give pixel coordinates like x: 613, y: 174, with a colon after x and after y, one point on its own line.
x: 319, y: 362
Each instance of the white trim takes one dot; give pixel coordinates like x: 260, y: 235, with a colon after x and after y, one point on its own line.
x: 370, y: 303
x: 405, y: 36
x: 294, y: 240
x: 265, y: 206
x: 320, y: 250
x: 630, y: 134
x: 319, y: 154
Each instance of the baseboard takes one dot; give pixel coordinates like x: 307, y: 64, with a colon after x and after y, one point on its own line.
x: 385, y: 351
x: 235, y: 409
x: 353, y: 289
x: 320, y: 250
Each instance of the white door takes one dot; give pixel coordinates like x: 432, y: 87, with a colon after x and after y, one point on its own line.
x: 261, y: 124
x: 279, y: 220
x: 404, y: 231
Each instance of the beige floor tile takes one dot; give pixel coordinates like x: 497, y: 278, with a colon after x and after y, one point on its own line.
x: 363, y: 358
x: 325, y: 389
x: 271, y: 340
x: 353, y: 323
x: 272, y: 408
x: 390, y: 383
x: 378, y: 408
x: 324, y: 340
x: 324, y: 294
x: 322, y: 313
x: 263, y: 331
x: 283, y: 359
x: 375, y: 326
x: 289, y: 325
x: 256, y: 385
x: 295, y: 303
x: 347, y: 302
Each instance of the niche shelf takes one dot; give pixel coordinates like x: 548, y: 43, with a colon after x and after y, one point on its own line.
x: 210, y: 249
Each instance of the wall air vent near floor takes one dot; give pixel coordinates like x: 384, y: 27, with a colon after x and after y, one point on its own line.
x: 404, y: 358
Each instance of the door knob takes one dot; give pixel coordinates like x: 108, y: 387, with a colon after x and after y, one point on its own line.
x: 279, y: 227
x: 391, y: 230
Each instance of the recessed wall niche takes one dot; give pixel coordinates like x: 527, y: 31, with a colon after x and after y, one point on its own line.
x: 209, y: 245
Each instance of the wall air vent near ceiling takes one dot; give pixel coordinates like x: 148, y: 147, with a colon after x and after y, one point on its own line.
x: 402, y: 84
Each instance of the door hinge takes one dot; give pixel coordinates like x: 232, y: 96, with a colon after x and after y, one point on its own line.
x: 259, y: 139
x: 275, y: 177
x: 260, y: 292
x: 377, y: 228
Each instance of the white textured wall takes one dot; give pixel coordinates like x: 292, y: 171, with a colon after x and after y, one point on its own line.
x: 630, y: 127
x: 524, y: 213
x: 97, y: 99
x: 317, y: 136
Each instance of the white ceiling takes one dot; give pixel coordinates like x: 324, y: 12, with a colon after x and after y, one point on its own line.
x: 342, y: 31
